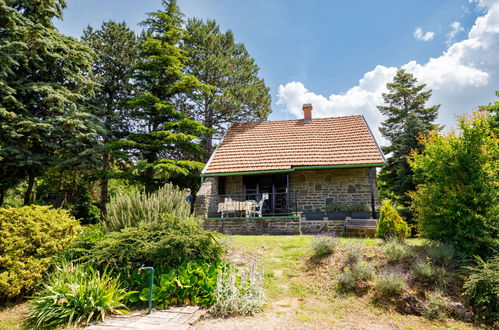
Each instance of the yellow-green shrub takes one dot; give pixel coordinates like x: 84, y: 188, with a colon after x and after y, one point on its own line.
x: 390, y: 223
x: 29, y: 237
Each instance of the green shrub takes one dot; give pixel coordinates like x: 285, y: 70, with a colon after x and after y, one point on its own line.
x: 134, y: 208
x: 391, y: 284
x: 456, y: 200
x: 396, y: 251
x: 482, y: 288
x: 429, y: 274
x: 437, y: 307
x: 353, y: 253
x: 444, y: 253
x: 324, y: 245
x: 29, y: 237
x: 76, y: 294
x: 190, y: 283
x: 81, y: 247
x: 238, y: 294
x: 360, y: 271
x: 391, y: 224
x: 164, y: 244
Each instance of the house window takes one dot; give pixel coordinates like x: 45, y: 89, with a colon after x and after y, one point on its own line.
x: 221, y: 185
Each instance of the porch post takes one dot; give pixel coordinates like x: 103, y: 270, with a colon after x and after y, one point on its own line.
x: 371, y: 184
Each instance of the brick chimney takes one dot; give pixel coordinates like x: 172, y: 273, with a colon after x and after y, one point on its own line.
x: 307, y: 113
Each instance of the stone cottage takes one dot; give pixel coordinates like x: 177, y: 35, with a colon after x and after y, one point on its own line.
x: 283, y: 174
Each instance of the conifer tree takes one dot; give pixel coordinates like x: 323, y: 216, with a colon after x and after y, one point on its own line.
x: 116, y: 48
x: 237, y: 93
x: 406, y: 118
x: 42, y: 90
x: 165, y: 140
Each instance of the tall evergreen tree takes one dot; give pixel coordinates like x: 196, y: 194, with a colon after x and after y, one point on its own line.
x: 164, y: 138
x: 237, y: 93
x: 406, y: 118
x: 116, y: 48
x: 42, y: 90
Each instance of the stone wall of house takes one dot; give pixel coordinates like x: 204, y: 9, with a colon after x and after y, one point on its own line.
x: 269, y: 226
x: 207, y: 198
x: 317, y: 188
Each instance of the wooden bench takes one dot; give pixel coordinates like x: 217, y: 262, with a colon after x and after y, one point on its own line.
x: 366, y: 226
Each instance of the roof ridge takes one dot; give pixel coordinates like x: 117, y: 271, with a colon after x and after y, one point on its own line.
x: 298, y: 119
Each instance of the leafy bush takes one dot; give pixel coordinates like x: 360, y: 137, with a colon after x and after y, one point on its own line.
x: 428, y: 274
x: 443, y: 253
x: 456, y: 200
x: 324, y: 245
x: 391, y: 224
x: 238, y: 294
x: 190, y: 283
x: 164, y: 244
x: 360, y: 271
x: 134, y: 208
x: 396, y: 251
x: 81, y: 247
x: 482, y: 288
x: 29, y: 237
x: 76, y: 294
x: 390, y: 284
x: 438, y: 307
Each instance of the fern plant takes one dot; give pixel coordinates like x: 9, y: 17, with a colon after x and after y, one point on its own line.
x: 134, y: 208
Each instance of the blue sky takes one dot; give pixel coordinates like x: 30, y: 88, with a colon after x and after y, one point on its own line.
x: 340, y: 54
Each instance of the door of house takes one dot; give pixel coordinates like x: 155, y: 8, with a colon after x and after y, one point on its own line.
x: 276, y: 185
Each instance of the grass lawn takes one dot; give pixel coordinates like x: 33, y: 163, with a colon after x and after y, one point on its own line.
x: 301, y: 294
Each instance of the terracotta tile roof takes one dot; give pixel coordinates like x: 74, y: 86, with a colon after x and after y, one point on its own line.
x: 282, y: 145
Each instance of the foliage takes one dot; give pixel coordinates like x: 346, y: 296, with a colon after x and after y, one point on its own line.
x: 443, y: 253
x: 164, y: 244
x: 190, y: 283
x: 429, y: 275
x: 438, y: 306
x: 337, y: 207
x: 236, y: 91
x: 396, y: 251
x: 29, y: 237
x: 359, y: 271
x: 324, y: 245
x: 238, y: 294
x: 360, y: 207
x: 76, y: 295
x: 390, y: 223
x: 353, y: 253
x: 43, y: 89
x: 164, y: 141
x: 407, y: 117
x: 116, y: 49
x: 131, y: 209
x: 456, y: 201
x: 390, y: 284
x: 482, y: 288
x: 81, y: 247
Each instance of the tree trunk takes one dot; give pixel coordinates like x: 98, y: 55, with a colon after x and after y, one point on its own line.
x: 104, y: 186
x: 29, y: 190
x: 2, y: 197
x: 207, y: 145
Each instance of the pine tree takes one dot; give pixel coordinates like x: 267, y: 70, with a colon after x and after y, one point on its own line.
x: 406, y: 118
x: 164, y: 142
x: 237, y: 93
x: 116, y: 47
x: 42, y: 90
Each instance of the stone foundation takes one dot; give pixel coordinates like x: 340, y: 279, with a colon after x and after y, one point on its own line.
x: 282, y: 226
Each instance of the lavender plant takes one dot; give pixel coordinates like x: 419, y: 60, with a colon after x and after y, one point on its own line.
x: 324, y: 244
x: 239, y: 294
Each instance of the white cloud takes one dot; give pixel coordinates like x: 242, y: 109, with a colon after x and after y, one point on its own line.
x: 462, y: 77
x: 455, y: 28
x: 423, y: 36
